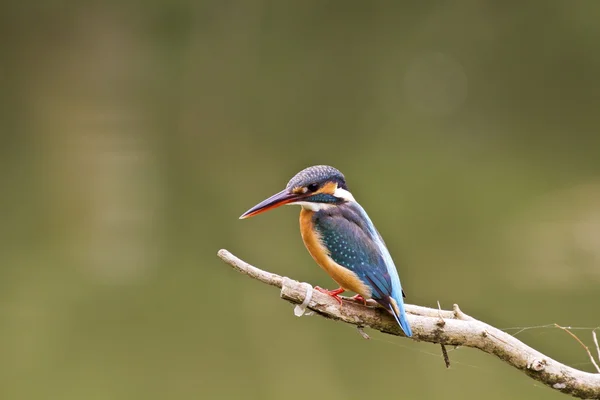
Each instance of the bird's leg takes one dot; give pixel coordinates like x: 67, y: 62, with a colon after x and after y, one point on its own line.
x: 333, y: 293
x: 359, y: 298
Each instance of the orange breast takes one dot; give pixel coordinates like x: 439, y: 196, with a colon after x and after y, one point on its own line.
x: 343, y: 276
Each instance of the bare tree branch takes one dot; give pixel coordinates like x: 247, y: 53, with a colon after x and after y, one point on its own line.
x: 453, y: 328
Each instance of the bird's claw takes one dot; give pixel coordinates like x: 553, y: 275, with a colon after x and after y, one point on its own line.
x: 359, y: 298
x: 333, y: 293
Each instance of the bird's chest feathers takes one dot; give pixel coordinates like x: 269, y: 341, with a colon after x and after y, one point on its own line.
x: 312, y: 240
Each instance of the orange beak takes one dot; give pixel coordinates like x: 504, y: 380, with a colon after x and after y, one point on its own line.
x: 279, y: 199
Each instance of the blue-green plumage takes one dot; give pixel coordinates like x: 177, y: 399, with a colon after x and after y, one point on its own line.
x: 324, y: 198
x: 347, y: 239
x: 348, y: 234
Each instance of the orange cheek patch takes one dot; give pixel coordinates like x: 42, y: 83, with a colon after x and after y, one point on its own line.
x: 328, y: 188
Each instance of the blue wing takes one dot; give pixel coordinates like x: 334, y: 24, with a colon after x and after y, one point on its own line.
x: 353, y: 242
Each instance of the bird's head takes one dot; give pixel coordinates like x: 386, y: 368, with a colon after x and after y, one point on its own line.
x: 313, y: 188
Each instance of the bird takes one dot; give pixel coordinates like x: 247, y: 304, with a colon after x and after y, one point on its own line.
x: 341, y: 238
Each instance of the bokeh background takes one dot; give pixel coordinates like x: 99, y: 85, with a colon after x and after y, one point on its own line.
x: 133, y: 135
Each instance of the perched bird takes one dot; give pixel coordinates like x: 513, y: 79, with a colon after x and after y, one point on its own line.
x: 341, y: 238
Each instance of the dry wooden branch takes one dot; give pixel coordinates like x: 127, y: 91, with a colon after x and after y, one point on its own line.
x: 432, y: 325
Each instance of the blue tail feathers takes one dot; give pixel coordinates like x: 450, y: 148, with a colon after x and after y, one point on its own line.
x: 401, y: 317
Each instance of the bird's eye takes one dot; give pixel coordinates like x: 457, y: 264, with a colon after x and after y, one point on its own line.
x: 313, y: 187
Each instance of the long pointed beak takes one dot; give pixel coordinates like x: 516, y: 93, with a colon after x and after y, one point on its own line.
x: 279, y: 199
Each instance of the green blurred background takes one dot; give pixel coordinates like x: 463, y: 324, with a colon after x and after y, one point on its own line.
x: 133, y: 135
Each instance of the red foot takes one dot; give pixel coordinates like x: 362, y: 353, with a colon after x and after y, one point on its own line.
x: 358, y: 297
x: 332, y: 293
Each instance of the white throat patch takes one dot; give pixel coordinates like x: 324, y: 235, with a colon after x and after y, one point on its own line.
x: 343, y: 194
x: 308, y: 205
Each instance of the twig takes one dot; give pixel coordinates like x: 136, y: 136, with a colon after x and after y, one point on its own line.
x: 582, y: 344
x: 362, y: 332
x: 459, y: 329
x: 444, y: 351
x: 596, y: 343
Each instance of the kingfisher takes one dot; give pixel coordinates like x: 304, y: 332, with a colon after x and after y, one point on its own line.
x: 341, y: 238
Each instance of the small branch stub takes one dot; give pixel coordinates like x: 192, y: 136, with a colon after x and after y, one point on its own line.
x: 537, y: 365
x: 362, y: 332
x: 457, y: 329
x: 596, y: 343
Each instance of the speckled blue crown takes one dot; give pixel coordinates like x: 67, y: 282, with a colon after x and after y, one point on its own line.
x: 317, y: 174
